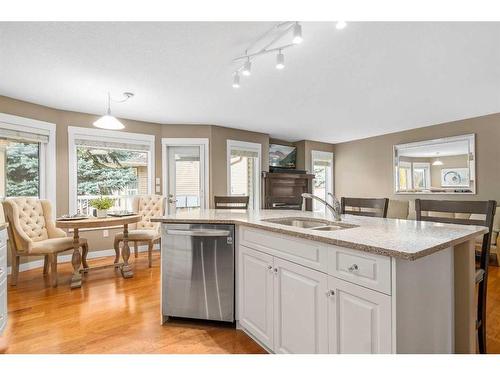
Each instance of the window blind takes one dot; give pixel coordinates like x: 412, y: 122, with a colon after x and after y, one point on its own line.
x: 322, y: 163
x: 23, y: 136
x: 244, y: 153
x: 112, y: 145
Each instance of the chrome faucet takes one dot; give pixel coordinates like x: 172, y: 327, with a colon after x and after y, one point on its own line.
x: 334, y: 207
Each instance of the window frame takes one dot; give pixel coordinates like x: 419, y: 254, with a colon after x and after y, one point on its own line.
x: 47, y: 155
x: 330, y: 182
x: 77, y: 132
x: 232, y: 144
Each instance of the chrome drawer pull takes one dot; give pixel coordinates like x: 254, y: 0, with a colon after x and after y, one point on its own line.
x: 353, y: 268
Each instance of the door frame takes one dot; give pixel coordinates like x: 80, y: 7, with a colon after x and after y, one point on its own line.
x: 250, y: 146
x: 330, y: 182
x: 204, y: 162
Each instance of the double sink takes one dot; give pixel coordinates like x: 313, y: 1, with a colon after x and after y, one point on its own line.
x: 313, y: 224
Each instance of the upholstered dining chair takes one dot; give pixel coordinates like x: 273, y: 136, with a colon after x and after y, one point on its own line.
x: 148, y: 206
x: 32, y: 232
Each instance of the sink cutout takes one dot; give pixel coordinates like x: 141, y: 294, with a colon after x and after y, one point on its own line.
x: 314, y: 224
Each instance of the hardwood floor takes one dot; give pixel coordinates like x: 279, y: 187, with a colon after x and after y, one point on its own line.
x: 493, y: 312
x: 107, y: 315
x: 113, y: 315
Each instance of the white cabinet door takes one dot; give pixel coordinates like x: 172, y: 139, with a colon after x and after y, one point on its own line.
x: 300, y: 306
x: 359, y: 319
x: 256, y: 294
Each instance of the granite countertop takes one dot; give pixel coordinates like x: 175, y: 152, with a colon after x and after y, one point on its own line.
x: 403, y: 239
x: 3, y: 225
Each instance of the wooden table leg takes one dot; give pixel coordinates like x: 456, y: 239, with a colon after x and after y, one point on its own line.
x: 125, y: 268
x: 76, y: 261
x: 465, y: 304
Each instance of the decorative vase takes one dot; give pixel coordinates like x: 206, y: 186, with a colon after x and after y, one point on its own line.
x: 102, y: 213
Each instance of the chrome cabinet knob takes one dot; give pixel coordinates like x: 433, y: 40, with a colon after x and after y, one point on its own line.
x: 270, y: 268
x: 276, y: 271
x: 353, y: 268
x: 330, y: 293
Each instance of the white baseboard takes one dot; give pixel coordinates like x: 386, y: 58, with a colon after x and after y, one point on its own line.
x: 67, y: 258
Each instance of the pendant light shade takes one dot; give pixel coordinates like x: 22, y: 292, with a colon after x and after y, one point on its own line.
x: 108, y: 121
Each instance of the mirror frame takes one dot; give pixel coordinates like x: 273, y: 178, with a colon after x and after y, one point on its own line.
x: 471, y: 138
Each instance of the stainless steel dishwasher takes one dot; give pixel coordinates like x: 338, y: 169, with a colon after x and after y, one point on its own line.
x: 198, y: 271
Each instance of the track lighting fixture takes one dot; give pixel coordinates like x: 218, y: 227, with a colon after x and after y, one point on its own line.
x: 246, y: 68
x: 280, y: 60
x: 297, y: 33
x: 236, y: 80
x: 340, y: 25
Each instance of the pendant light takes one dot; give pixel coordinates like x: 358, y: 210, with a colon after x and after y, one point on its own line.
x: 108, y: 121
x: 437, y: 161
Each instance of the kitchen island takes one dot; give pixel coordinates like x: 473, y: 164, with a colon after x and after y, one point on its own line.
x: 306, y: 284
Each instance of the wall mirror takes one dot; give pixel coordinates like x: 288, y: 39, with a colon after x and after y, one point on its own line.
x: 437, y: 166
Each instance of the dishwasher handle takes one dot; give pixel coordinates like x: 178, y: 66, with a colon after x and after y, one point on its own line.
x: 199, y: 232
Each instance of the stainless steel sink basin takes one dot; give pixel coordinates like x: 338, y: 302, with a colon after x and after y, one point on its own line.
x: 330, y: 228
x: 314, y: 224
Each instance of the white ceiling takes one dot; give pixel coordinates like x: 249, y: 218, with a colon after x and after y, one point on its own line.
x: 368, y: 79
x: 435, y: 150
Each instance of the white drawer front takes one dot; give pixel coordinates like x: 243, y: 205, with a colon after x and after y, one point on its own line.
x: 369, y: 270
x: 3, y: 237
x: 308, y: 253
x: 3, y: 305
x: 3, y: 263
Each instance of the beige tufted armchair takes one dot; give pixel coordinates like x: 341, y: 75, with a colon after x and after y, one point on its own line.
x: 33, y: 233
x: 148, y: 206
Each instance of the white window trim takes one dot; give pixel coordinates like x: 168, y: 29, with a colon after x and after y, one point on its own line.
x: 77, y: 132
x: 325, y: 155
x: 47, y: 154
x: 196, y: 142
x: 245, y: 146
x: 427, y: 167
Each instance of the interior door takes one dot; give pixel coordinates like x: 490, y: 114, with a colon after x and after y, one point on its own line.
x: 359, y: 319
x: 185, y: 178
x: 300, y: 308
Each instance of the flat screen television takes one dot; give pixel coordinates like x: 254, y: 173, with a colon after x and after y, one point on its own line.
x: 282, y: 156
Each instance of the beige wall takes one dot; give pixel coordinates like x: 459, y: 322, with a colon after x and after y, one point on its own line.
x: 363, y: 168
x: 217, y: 137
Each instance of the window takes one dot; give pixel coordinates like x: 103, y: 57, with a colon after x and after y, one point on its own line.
x: 27, y: 158
x: 421, y: 176
x: 243, y: 168
x: 414, y: 176
x: 108, y: 163
x: 322, y: 167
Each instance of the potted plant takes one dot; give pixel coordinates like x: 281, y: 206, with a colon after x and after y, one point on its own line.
x: 102, y: 205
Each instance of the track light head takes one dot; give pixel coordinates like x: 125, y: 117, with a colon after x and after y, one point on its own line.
x: 340, y: 25
x: 280, y: 60
x: 247, y: 68
x: 297, y: 33
x: 236, y: 80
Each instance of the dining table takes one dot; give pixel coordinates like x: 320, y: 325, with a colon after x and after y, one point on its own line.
x: 78, y: 259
